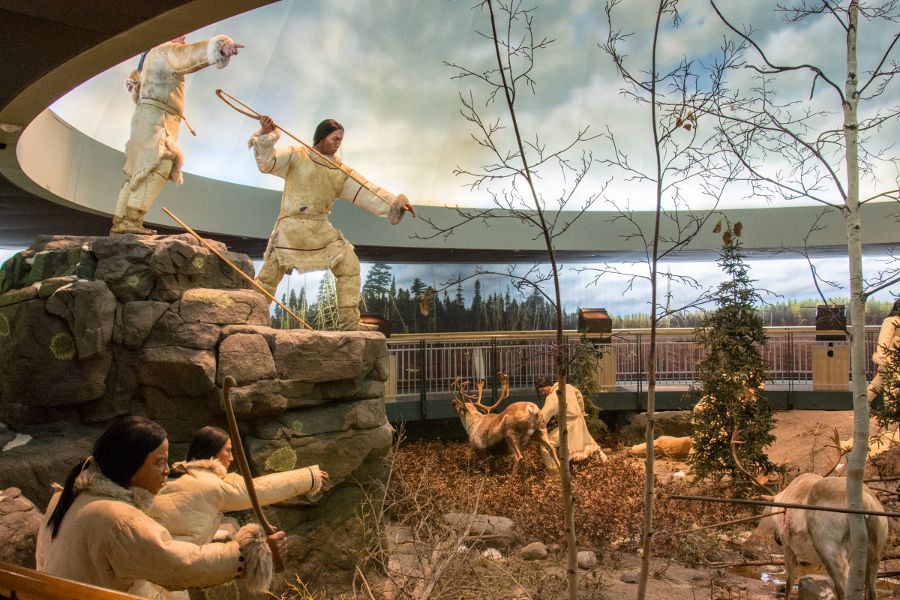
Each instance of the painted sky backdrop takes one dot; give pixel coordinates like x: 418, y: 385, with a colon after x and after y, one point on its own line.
x: 379, y: 68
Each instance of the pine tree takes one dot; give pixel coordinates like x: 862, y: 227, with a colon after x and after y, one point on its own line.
x: 376, y: 287
x: 477, y: 309
x: 732, y: 377
x: 326, y: 317
x: 583, y: 375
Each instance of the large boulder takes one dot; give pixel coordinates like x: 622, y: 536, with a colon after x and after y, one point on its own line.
x: 675, y: 423
x: 325, y: 356
x: 139, y: 267
x: 95, y: 328
x: 90, y: 309
x: 246, y: 357
x: 46, y: 457
x: 19, y: 523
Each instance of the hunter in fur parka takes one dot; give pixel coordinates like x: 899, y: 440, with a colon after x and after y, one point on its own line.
x: 191, y: 506
x: 152, y: 155
x: 303, y: 238
x: 106, y: 539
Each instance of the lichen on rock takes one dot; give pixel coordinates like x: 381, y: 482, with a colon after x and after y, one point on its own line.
x: 283, y: 459
x: 63, y: 346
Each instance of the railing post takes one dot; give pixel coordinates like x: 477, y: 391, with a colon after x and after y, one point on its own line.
x: 494, y: 368
x: 640, y: 373
x: 423, y: 379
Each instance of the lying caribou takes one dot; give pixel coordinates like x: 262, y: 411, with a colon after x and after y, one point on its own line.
x: 501, y: 433
x: 819, y: 537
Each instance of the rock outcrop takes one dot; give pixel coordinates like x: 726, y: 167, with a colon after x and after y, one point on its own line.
x: 95, y: 328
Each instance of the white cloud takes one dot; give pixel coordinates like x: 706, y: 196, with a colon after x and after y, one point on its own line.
x: 379, y: 69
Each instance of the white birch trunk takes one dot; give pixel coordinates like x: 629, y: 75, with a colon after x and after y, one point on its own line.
x: 857, y: 459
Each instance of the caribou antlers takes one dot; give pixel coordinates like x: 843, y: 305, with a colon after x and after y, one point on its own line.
x: 460, y: 390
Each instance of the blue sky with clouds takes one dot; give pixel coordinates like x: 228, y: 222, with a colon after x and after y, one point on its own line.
x: 379, y: 68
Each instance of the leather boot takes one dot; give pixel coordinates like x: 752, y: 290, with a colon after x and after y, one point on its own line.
x: 348, y: 320
x: 116, y: 223
x: 132, y: 222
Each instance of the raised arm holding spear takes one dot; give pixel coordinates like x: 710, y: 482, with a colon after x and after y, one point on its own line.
x: 303, y: 238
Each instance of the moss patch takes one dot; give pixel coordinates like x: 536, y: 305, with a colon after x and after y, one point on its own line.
x: 210, y: 297
x: 63, y: 346
x: 283, y: 459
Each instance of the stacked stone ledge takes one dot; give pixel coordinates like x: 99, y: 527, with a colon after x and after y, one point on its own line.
x: 95, y: 328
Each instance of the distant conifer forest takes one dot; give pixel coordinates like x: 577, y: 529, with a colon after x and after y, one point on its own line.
x: 422, y: 309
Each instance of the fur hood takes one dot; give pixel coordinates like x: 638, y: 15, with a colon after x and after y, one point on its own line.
x: 212, y: 464
x: 92, y: 481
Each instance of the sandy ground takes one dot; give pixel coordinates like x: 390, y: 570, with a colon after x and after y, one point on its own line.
x: 804, y: 442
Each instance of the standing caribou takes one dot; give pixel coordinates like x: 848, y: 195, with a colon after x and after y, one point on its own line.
x: 502, y: 433
x: 818, y: 537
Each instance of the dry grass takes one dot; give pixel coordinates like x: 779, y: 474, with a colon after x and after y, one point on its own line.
x: 608, y: 498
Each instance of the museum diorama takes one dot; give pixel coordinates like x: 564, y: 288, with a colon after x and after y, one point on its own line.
x: 177, y: 423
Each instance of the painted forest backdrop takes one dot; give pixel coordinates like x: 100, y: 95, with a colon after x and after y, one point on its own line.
x: 464, y: 307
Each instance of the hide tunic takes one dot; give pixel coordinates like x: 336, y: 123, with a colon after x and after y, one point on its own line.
x: 303, y: 238
x: 190, y: 507
x: 581, y: 444
x: 152, y: 150
x: 106, y: 539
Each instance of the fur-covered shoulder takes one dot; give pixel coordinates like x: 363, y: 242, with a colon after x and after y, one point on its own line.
x: 92, y: 481
x: 212, y: 464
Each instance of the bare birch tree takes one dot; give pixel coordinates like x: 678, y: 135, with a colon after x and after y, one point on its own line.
x: 793, y: 147
x: 517, y: 159
x: 683, y: 157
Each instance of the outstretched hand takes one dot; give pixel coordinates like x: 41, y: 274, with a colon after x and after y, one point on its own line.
x: 407, y: 206
x: 230, y: 48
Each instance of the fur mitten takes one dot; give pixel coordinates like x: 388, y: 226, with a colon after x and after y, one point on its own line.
x: 256, y: 559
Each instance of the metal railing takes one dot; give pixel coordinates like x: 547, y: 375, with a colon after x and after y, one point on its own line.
x: 428, y: 364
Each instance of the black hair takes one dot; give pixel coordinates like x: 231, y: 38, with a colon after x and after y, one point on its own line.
x: 326, y: 128
x: 206, y: 443
x: 895, y: 310
x: 119, y: 452
x: 542, y: 383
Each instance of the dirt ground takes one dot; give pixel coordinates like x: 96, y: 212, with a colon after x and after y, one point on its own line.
x: 803, y: 443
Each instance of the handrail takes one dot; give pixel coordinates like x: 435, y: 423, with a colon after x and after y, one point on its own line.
x: 546, y: 333
x: 27, y: 584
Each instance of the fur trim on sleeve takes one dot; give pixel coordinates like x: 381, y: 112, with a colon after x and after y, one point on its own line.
x: 214, y: 51
x: 257, y: 563
x: 264, y: 140
x: 396, y: 214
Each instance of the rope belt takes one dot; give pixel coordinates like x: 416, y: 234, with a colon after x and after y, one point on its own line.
x: 300, y: 249
x: 308, y: 217
x: 170, y: 110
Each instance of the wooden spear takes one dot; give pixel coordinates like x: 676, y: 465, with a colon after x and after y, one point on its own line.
x: 237, y: 269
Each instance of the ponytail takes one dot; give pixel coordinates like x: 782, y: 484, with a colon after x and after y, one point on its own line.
x: 118, y: 453
x: 66, y: 497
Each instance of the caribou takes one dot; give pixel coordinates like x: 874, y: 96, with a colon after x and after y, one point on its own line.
x: 503, y: 433
x: 821, y: 538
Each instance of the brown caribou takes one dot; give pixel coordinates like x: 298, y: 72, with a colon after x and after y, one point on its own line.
x: 502, y: 433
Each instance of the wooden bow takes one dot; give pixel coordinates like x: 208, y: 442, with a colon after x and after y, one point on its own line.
x: 241, y: 457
